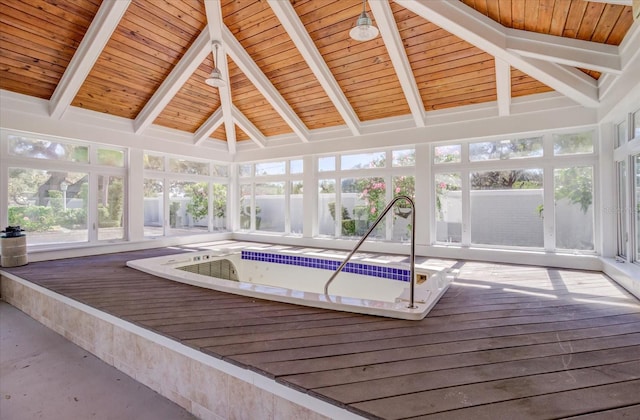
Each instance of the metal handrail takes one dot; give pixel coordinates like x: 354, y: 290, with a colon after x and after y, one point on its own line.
x: 412, y: 256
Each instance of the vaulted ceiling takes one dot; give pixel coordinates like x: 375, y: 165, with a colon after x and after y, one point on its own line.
x: 291, y: 68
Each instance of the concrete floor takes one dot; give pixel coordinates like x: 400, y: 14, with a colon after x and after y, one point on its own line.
x: 45, y: 376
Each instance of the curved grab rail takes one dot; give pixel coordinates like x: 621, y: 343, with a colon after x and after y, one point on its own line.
x: 412, y: 256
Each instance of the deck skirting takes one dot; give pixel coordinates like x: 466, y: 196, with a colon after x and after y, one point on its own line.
x: 206, y: 386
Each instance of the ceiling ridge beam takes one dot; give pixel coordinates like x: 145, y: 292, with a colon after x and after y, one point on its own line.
x: 102, y: 26
x: 503, y: 86
x: 213, y: 9
x: 293, y: 25
x: 244, y: 61
x: 205, y: 130
x: 571, y: 52
x: 482, y: 32
x: 395, y: 47
x: 249, y: 128
x: 187, y: 65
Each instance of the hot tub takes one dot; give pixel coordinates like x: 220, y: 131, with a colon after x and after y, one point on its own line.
x: 364, y: 287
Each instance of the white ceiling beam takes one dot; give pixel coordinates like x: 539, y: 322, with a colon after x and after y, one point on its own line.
x: 104, y: 23
x: 172, y: 84
x: 250, y: 69
x: 503, y: 87
x: 488, y: 35
x: 248, y: 127
x: 391, y: 36
x: 571, y: 52
x: 205, y: 130
x: 291, y: 22
x: 213, y: 9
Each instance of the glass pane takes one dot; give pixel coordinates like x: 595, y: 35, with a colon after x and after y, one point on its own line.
x: 244, y: 170
x: 271, y: 168
x: 506, y: 149
x: 363, y: 160
x: 327, y: 163
x: 47, y: 149
x: 220, y: 170
x: 447, y: 154
x: 621, y: 134
x: 448, y: 207
x: 51, y: 206
x: 270, y: 206
x: 153, y: 207
x: 188, y: 207
x: 110, y: 208
x: 571, y: 144
x: 402, y: 185
x: 296, y: 209
x: 623, y: 228
x: 636, y: 124
x: 183, y: 166
x: 364, y: 200
x: 327, y: 207
x: 153, y: 163
x: 573, y: 206
x: 245, y: 206
x: 220, y: 207
x: 404, y: 157
x: 296, y: 166
x: 637, y: 207
x: 506, y: 207
x: 111, y: 157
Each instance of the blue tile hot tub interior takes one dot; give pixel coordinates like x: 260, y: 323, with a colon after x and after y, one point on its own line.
x: 351, y: 267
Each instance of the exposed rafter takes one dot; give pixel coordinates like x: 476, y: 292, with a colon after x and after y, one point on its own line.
x: 97, y: 36
x: 491, y: 37
x: 391, y: 37
x: 215, y: 24
x: 248, y: 127
x: 213, y: 122
x: 262, y: 83
x: 571, y: 52
x: 172, y: 84
x: 296, y: 30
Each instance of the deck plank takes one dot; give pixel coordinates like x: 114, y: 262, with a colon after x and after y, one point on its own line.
x: 505, y: 341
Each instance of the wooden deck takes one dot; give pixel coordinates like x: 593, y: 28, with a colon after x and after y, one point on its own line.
x: 505, y: 341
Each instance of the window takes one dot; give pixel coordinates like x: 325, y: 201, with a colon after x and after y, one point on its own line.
x: 506, y: 207
x: 505, y: 149
x: 623, y: 227
x: 65, y: 192
x: 362, y: 161
x: 403, y: 185
x: 48, y: 149
x: 636, y: 208
x: 183, y: 199
x: 296, y: 209
x: 153, y: 207
x: 364, y: 200
x: 327, y: 164
x: 51, y: 206
x: 271, y: 168
x: 447, y: 154
x: 111, y: 207
x: 270, y: 206
x: 621, y: 134
x: 327, y: 216
x: 571, y: 144
x: 448, y: 207
x: 574, y: 208
x: 271, y: 198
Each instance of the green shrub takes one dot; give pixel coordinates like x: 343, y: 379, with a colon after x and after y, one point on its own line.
x: 32, y: 218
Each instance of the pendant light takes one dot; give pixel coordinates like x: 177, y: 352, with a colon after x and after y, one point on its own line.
x: 215, y: 78
x: 364, y: 30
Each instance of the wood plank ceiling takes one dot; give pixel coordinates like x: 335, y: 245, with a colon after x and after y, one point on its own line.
x: 292, y: 67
